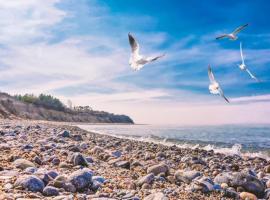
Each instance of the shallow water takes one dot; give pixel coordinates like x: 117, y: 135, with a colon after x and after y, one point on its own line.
x: 236, y: 139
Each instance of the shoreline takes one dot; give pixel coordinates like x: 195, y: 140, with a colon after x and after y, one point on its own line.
x: 52, y: 155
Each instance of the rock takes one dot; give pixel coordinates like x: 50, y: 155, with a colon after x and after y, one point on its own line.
x: 146, y: 186
x: 30, y: 170
x: 223, y: 178
x: 95, y: 185
x: 97, y: 150
x: 79, y: 159
x: 52, y: 174
x: 157, y: 169
x: 77, y: 137
x: 37, y: 160
x: 50, y: 191
x: 99, y: 179
x: 247, y: 195
x: 31, y: 183
x: 64, y: 133
x: 268, y: 183
x: 149, y: 178
x: 249, y: 183
x: 156, y: 196
x: 81, y: 179
x: 69, y: 187
x: 23, y: 164
x: 186, y: 176
x: 64, y: 165
x: 59, y: 181
x: 55, y: 161
x: 89, y: 159
x: 122, y: 164
x: 267, y: 169
x: 224, y: 185
x: 161, y: 155
x: 116, y: 154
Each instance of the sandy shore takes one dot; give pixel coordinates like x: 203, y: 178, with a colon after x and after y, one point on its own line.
x: 44, y: 160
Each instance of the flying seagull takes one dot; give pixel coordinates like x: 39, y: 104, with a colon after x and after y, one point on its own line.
x: 233, y: 35
x: 136, y: 60
x: 214, y: 87
x: 243, y: 66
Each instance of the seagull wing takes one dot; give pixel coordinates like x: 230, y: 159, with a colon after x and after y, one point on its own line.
x: 239, y: 29
x: 222, y: 95
x: 211, y: 75
x: 151, y: 59
x: 133, y: 44
x: 251, y: 75
x: 222, y: 36
x: 241, y: 52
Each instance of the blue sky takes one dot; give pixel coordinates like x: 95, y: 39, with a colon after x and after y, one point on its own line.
x: 78, y: 50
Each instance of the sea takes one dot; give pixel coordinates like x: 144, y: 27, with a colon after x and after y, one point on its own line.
x: 244, y: 140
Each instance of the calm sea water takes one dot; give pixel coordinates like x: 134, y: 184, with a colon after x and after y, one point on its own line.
x: 225, y: 138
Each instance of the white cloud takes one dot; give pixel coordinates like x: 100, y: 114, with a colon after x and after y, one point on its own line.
x: 33, y: 64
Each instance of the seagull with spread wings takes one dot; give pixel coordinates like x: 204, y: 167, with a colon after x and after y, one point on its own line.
x: 233, y: 35
x: 243, y: 66
x: 214, y: 87
x: 136, y: 60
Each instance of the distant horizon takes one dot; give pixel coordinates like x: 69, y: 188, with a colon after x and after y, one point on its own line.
x: 79, y: 51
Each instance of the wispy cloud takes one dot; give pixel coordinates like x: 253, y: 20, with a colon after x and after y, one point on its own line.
x: 80, y: 51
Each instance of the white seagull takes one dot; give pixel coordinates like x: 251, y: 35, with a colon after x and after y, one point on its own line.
x: 233, y: 35
x: 214, y: 87
x: 136, y: 60
x: 243, y: 66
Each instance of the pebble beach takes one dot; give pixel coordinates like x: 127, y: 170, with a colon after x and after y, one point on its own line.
x: 46, y: 160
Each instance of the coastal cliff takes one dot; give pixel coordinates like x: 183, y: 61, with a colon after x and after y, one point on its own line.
x: 13, y: 108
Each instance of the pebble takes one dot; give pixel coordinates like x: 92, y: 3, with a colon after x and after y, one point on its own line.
x: 186, y: 176
x: 149, y: 178
x: 31, y: 183
x: 78, y: 159
x: 50, y: 191
x: 157, y: 169
x: 81, y: 179
x: 247, y: 196
x: 156, y: 196
x: 23, y: 164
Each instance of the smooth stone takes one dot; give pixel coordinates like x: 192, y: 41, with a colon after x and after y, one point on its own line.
x: 100, y: 179
x: 122, y: 164
x: 78, y: 159
x: 186, y: 176
x: 52, y: 174
x: 95, y: 185
x: 23, y: 164
x: 59, y: 181
x: 37, y: 160
x: 89, y: 159
x: 69, y: 187
x: 56, y: 161
x: 30, y: 170
x: 116, y: 154
x: 31, y: 183
x: 224, y: 185
x: 156, y: 196
x: 249, y: 183
x: 149, y: 178
x: 223, y: 178
x: 247, y: 195
x: 64, y: 133
x: 97, y: 150
x: 81, y: 179
x: 50, y: 191
x: 267, y: 169
x: 157, y: 169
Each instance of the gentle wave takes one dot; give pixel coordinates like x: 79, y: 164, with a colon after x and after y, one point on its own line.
x: 161, y: 136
